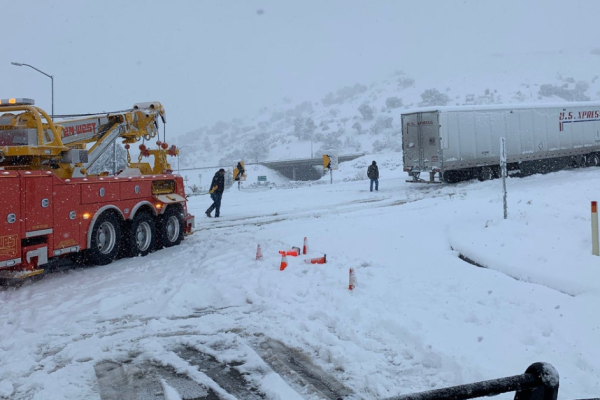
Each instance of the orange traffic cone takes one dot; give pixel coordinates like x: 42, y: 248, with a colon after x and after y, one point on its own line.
x: 295, y: 251
x: 352, y: 283
x: 283, y: 263
x: 259, y: 255
x: 319, y: 260
x: 305, y: 247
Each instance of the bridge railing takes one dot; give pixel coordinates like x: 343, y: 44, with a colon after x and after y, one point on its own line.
x: 539, y: 382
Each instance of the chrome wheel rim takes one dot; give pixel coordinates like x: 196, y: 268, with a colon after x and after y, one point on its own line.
x: 106, y: 237
x: 172, y: 228
x: 143, y: 236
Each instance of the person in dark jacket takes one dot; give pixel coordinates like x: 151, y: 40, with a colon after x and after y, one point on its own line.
x: 373, y: 174
x: 240, y: 173
x: 217, y: 187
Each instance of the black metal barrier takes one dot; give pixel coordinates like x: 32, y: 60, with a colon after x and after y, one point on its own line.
x: 539, y: 382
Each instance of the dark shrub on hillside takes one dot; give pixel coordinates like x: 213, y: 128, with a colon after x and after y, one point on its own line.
x: 433, y: 97
x: 366, y: 111
x: 393, y: 102
x: 575, y: 94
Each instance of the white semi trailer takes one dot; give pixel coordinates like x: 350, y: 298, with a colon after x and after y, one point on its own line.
x: 451, y: 144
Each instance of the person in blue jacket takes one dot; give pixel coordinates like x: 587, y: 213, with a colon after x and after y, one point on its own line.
x: 217, y: 187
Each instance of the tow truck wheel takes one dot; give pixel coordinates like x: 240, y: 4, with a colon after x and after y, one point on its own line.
x: 142, y: 235
x: 106, y: 235
x: 170, y: 227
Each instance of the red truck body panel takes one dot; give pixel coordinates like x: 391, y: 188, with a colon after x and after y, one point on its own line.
x: 42, y: 216
x: 10, y: 208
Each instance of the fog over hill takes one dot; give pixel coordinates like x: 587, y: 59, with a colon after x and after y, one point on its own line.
x: 365, y: 117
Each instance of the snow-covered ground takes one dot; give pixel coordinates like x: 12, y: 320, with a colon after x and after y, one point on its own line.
x: 419, y: 318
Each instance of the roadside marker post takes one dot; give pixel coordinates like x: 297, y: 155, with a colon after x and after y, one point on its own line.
x: 595, y: 251
x: 330, y: 162
x: 259, y: 255
x: 503, y: 172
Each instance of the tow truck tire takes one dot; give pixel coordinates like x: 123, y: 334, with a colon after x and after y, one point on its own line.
x: 106, y: 235
x: 141, y: 238
x: 170, y: 227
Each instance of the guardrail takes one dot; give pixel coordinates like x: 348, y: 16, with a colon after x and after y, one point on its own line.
x: 539, y: 382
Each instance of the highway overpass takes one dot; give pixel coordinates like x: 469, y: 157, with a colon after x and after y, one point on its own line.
x: 304, y: 169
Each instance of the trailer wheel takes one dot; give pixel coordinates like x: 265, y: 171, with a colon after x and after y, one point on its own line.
x: 141, y: 238
x: 497, y: 172
x: 486, y: 174
x: 578, y: 162
x: 170, y: 227
x: 106, y: 235
x: 452, y: 176
x: 593, y: 160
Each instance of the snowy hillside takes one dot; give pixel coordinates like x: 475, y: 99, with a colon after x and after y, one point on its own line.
x: 365, y: 116
x: 206, y: 320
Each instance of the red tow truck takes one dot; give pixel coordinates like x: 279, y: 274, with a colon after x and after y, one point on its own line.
x: 52, y: 208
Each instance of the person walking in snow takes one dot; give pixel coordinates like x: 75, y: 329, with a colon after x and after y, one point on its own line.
x: 373, y: 174
x: 217, y: 187
x: 240, y: 173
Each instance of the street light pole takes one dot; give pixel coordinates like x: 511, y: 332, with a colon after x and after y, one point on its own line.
x: 41, y: 72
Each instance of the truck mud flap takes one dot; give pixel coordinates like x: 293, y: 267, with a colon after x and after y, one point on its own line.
x: 19, y: 278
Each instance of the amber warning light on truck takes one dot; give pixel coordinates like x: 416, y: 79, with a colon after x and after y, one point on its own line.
x: 16, y: 102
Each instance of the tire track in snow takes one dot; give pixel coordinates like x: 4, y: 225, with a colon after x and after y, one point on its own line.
x: 339, y: 208
x: 298, y: 369
x: 259, y: 220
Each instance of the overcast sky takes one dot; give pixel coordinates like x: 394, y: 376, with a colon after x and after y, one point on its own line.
x: 211, y: 60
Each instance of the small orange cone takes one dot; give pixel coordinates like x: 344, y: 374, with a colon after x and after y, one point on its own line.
x: 352, y: 280
x: 319, y: 260
x: 305, y: 247
x: 295, y: 251
x: 259, y: 255
x: 283, y: 263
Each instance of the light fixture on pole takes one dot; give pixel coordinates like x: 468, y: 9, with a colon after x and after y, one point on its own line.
x: 41, y: 72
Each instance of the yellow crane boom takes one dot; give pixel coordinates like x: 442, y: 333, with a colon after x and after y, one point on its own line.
x: 30, y: 139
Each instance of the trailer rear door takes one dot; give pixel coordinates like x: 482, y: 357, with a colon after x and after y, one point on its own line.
x: 412, y: 153
x: 421, y: 139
